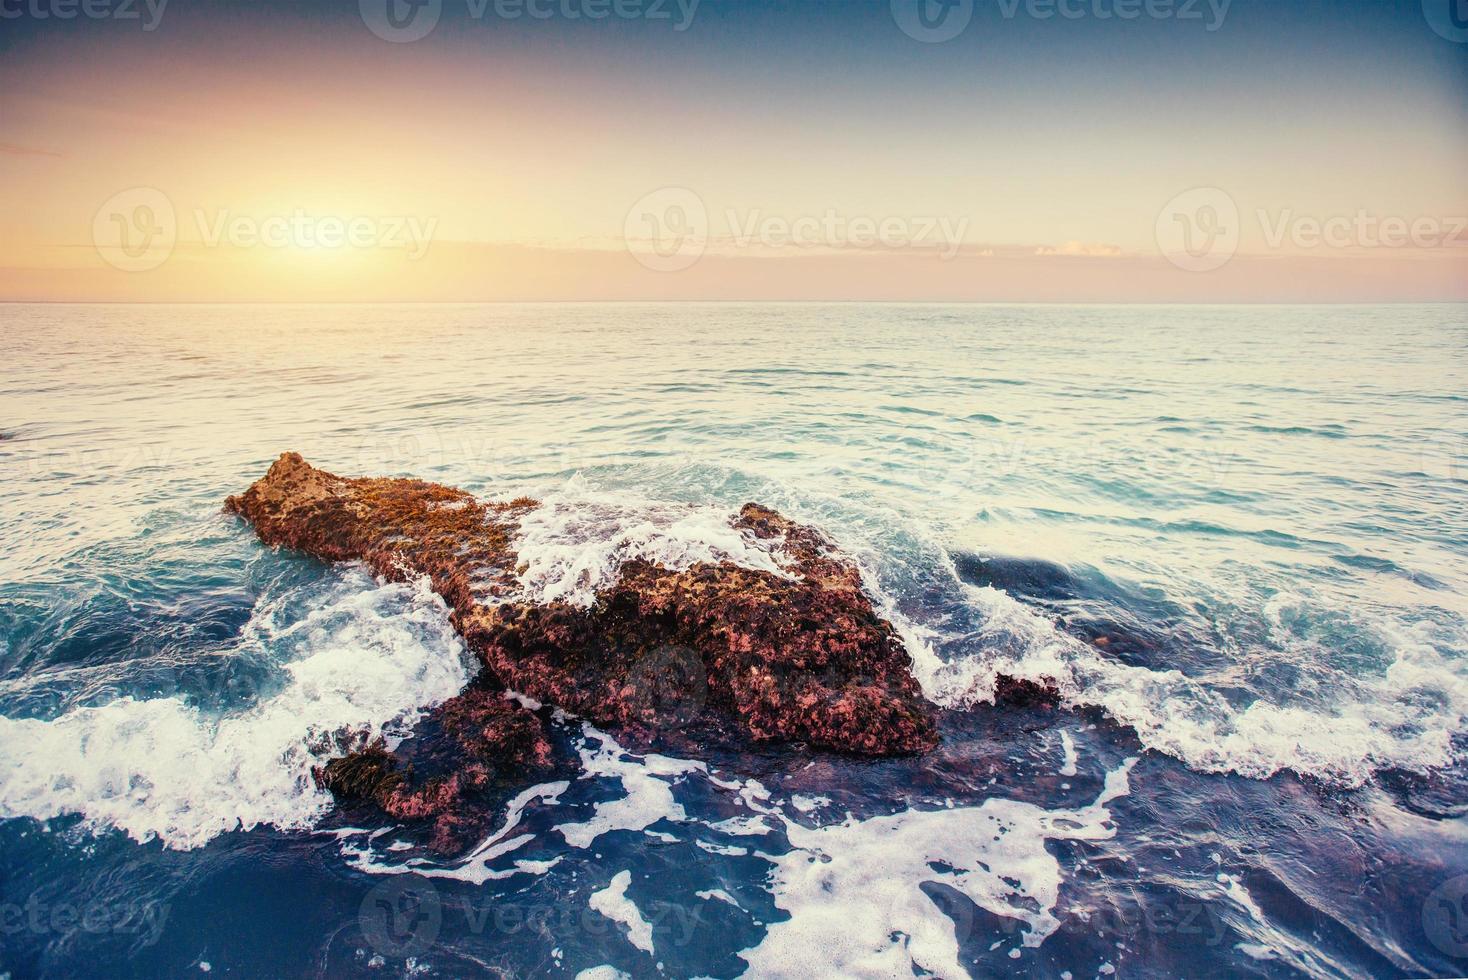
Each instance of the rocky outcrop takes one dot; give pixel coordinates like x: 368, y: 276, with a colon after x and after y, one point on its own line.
x: 799, y: 657
x: 497, y: 741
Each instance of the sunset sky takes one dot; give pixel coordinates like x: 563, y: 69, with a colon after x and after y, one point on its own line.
x: 1026, y: 158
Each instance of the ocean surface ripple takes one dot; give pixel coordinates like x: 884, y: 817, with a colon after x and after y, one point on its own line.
x: 1234, y: 538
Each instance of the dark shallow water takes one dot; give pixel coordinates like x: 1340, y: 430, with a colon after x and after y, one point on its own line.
x: 1259, y: 771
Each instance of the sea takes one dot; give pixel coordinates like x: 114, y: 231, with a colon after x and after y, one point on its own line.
x: 1234, y: 539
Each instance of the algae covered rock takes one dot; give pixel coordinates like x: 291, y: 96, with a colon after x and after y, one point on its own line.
x: 797, y: 656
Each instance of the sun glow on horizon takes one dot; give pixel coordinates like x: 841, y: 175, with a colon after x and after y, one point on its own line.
x: 510, y: 160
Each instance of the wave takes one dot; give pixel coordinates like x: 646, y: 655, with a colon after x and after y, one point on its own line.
x: 376, y: 657
x: 1348, y: 725
x: 857, y: 893
x: 1399, y: 708
x: 574, y: 545
x: 368, y: 657
x: 1325, y: 431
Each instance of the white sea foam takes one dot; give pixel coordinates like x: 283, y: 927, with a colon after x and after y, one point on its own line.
x: 1403, y: 717
x: 754, y: 826
x: 1068, y: 767
x: 612, y: 902
x: 368, y: 657
x: 603, y: 972
x: 646, y: 780
x: 805, y: 804
x: 717, y: 894
x: 574, y: 545
x: 852, y: 889
x: 479, y: 865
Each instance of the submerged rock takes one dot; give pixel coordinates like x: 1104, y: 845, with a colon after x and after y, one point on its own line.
x: 798, y: 657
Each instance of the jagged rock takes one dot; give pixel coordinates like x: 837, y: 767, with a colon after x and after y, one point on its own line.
x: 497, y: 740
x: 801, y: 657
x: 1024, y: 693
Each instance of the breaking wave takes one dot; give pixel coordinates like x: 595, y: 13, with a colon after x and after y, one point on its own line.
x: 367, y: 657
x: 1340, y: 726
x: 575, y: 544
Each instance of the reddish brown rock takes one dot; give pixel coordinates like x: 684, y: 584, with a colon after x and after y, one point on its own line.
x: 803, y: 658
x: 495, y: 730
x: 497, y: 739
x: 1024, y: 693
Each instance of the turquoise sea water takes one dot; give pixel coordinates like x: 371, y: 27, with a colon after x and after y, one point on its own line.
x: 1233, y: 537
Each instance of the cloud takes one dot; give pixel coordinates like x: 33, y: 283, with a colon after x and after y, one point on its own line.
x: 16, y: 150
x: 1087, y: 249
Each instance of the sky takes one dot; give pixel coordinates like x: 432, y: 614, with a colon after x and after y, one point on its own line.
x: 945, y: 150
